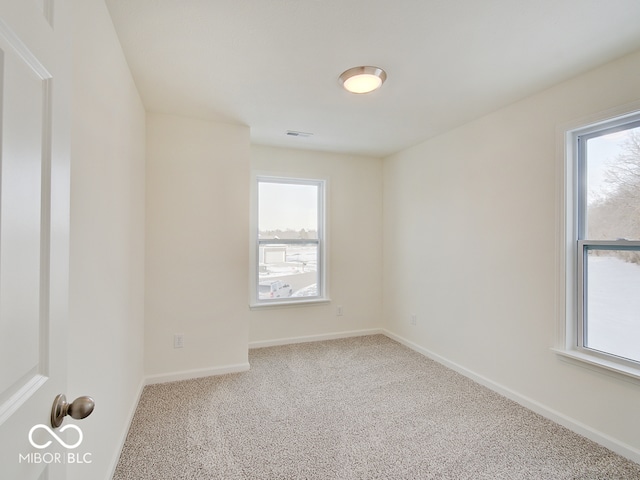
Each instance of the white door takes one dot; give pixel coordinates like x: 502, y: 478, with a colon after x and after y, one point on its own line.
x: 35, y: 82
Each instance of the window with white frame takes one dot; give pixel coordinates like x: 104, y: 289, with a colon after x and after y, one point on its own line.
x: 603, y: 242
x: 290, y: 241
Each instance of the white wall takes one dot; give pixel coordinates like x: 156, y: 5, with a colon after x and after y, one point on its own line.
x: 107, y: 237
x: 470, y: 247
x: 354, y: 227
x: 196, y: 247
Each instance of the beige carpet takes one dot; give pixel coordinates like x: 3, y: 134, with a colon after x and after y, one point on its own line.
x: 361, y: 408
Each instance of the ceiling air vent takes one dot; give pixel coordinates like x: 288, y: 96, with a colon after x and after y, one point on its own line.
x: 294, y: 133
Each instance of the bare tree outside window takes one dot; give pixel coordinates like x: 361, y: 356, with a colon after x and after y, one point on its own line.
x: 614, y: 213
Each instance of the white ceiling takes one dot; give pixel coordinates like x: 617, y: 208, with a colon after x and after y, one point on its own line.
x: 274, y: 64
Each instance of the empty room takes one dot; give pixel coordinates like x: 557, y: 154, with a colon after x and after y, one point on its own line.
x: 320, y: 239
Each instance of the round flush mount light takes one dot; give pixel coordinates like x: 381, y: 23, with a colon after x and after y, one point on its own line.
x: 362, y: 79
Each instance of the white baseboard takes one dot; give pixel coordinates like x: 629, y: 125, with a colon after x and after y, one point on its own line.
x: 314, y: 338
x: 603, y: 439
x: 125, y: 431
x: 197, y: 373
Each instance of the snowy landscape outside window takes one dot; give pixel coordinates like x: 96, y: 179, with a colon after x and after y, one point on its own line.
x: 290, y: 240
x: 607, y: 246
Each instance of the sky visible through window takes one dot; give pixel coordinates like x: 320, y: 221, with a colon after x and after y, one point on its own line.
x: 285, y: 206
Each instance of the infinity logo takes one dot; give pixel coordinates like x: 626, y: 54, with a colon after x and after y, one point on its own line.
x: 56, y: 437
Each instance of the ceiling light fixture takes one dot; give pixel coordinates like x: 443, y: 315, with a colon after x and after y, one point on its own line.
x: 362, y: 79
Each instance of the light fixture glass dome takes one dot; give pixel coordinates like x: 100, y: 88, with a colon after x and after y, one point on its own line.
x: 362, y: 79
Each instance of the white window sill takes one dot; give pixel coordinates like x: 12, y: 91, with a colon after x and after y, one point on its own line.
x: 289, y: 303
x: 601, y: 365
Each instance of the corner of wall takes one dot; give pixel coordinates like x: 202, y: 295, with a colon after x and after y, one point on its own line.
x: 196, y: 245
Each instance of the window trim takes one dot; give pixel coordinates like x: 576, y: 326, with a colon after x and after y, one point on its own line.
x: 572, y: 247
x: 323, y: 285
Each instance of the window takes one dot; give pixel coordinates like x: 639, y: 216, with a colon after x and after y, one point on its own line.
x: 603, y: 242
x: 289, y: 244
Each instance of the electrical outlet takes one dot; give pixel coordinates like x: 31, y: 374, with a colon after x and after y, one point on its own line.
x: 178, y: 340
x: 339, y: 311
x: 414, y: 319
